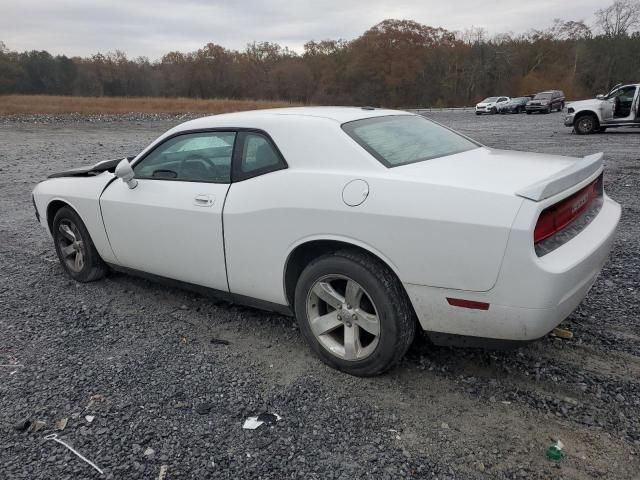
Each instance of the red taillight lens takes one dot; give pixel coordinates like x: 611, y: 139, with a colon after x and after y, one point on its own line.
x: 556, y: 217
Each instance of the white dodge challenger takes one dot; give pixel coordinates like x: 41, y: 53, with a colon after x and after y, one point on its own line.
x: 364, y: 223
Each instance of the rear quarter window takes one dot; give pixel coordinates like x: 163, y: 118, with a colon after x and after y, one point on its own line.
x: 403, y: 139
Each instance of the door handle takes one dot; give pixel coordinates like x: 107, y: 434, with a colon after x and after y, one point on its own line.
x: 203, y: 200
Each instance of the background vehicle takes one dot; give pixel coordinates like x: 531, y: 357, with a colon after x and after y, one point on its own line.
x: 514, y: 105
x: 618, y: 108
x: 358, y: 221
x: 490, y: 105
x: 546, y: 102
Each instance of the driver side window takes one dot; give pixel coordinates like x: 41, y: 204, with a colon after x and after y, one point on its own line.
x: 193, y: 157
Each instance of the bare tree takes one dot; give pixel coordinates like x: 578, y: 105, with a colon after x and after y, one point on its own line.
x: 620, y: 18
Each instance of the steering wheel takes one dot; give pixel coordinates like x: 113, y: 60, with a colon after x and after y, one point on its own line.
x: 203, y: 166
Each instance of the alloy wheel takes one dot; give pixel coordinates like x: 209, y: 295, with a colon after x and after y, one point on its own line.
x: 343, y: 317
x: 71, y: 246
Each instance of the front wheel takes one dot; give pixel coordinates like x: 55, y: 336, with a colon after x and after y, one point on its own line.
x: 76, y: 252
x: 586, y: 124
x: 354, y: 313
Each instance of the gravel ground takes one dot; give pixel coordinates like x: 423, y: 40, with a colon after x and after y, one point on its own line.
x: 138, y: 357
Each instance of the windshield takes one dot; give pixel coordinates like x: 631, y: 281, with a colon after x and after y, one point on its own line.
x: 402, y: 139
x: 542, y: 96
x: 489, y: 100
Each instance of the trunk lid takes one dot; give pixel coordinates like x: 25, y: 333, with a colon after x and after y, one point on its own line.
x: 535, y: 176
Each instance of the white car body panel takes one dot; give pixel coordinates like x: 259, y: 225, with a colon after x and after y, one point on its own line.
x: 159, y: 228
x: 82, y: 194
x: 456, y: 226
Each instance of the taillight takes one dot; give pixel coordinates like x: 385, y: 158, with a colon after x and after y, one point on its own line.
x: 555, y: 218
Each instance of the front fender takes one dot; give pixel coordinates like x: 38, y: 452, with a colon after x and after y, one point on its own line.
x: 82, y: 194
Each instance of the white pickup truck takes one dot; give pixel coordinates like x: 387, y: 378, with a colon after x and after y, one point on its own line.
x: 618, y: 108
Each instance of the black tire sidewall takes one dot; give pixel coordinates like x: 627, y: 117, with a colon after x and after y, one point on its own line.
x: 92, y: 260
x: 375, y: 281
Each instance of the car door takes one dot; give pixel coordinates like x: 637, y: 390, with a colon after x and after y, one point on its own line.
x: 608, y: 106
x: 170, y: 224
x: 625, y: 103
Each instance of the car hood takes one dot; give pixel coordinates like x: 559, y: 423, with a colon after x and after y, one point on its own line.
x: 581, y: 104
x: 481, y: 104
x: 486, y: 169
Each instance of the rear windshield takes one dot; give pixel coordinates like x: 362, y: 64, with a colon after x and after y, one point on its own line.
x: 399, y: 140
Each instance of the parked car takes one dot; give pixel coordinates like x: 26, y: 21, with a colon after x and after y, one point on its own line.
x: 618, y: 108
x: 546, y: 102
x: 490, y: 105
x: 363, y: 223
x: 514, y: 105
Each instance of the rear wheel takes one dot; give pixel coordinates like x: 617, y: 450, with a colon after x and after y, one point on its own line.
x: 586, y: 124
x: 76, y: 252
x: 354, y: 313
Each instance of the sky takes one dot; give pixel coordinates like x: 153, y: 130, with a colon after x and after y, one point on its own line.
x: 153, y: 27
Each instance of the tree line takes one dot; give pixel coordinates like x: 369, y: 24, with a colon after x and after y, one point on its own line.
x: 396, y: 63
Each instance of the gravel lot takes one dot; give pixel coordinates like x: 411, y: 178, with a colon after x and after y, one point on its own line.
x: 139, y: 357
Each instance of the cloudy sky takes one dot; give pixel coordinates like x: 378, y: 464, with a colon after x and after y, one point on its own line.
x: 153, y: 27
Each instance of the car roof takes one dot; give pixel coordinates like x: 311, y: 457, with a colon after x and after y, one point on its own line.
x: 332, y: 114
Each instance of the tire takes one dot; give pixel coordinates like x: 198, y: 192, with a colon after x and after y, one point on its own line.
x: 478, y: 113
x: 494, y: 110
x: 528, y: 112
x: 548, y: 110
x: 79, y: 258
x: 586, y: 124
x: 376, y: 296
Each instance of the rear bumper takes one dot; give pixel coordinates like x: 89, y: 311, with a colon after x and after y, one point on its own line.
x: 532, y: 295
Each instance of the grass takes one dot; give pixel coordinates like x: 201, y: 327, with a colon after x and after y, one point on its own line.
x: 53, y: 104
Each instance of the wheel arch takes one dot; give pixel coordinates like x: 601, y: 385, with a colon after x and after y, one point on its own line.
x: 308, y: 249
x: 582, y: 113
x: 53, y: 207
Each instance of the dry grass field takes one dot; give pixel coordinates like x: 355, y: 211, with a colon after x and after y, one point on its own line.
x: 53, y: 104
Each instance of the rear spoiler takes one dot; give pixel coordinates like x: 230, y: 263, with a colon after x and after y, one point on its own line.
x: 568, y: 177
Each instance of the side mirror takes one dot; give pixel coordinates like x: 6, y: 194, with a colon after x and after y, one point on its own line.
x: 125, y: 172
x: 600, y: 96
